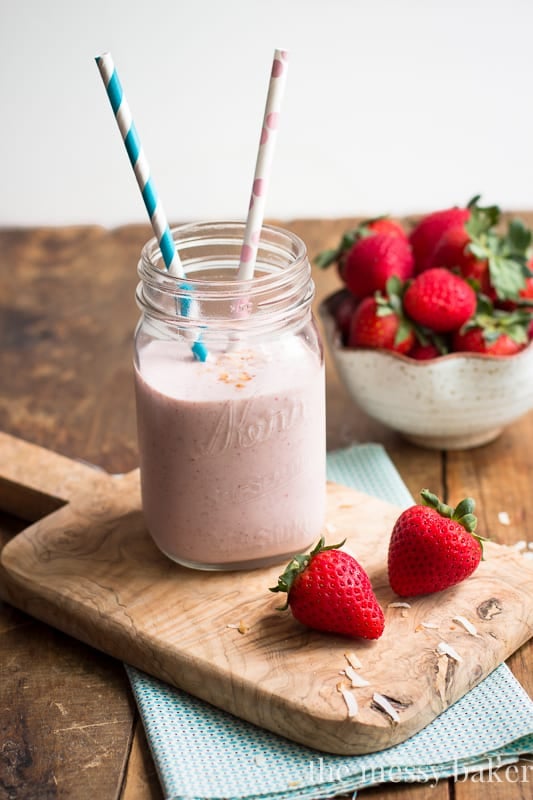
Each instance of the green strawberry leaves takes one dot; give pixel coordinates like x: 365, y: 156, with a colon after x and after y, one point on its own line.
x: 494, y: 322
x: 507, y: 255
x: 349, y: 238
x: 463, y: 513
x: 297, y: 565
x: 392, y: 303
x: 328, y: 257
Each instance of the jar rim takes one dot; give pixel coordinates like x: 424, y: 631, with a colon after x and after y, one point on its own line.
x: 228, y: 232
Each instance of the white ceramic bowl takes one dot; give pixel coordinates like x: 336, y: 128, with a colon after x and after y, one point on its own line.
x: 457, y: 401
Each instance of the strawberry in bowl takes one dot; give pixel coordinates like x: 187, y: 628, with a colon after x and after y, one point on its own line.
x: 438, y: 345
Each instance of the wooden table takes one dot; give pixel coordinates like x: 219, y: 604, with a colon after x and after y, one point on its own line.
x: 68, y: 725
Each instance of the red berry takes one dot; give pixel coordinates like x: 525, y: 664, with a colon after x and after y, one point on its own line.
x: 473, y: 341
x: 427, y: 233
x: 423, y: 352
x: 440, y: 300
x: 328, y: 590
x: 527, y: 292
x: 370, y: 329
x: 432, y: 547
x: 372, y: 260
x: 388, y: 226
x: 452, y: 251
x: 343, y: 314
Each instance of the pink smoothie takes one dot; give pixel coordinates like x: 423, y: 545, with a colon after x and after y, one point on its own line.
x: 232, y: 452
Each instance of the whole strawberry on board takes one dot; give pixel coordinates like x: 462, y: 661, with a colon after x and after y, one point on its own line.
x: 328, y: 590
x: 433, y: 546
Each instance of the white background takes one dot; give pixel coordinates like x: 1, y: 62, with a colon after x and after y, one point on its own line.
x: 391, y: 106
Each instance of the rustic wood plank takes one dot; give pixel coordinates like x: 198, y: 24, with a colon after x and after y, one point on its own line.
x: 69, y: 326
x: 56, y: 740
x: 498, y: 476
x: 141, y: 780
x: 66, y: 320
x: 512, y: 782
x: 408, y: 791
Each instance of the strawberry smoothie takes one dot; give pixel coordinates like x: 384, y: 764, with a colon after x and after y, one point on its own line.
x: 232, y: 451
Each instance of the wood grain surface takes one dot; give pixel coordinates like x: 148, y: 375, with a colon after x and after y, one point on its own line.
x: 91, y: 569
x: 69, y: 727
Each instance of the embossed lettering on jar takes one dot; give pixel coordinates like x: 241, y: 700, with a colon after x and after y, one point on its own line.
x: 232, y: 450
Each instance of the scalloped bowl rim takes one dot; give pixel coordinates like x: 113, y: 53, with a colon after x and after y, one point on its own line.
x: 461, y: 399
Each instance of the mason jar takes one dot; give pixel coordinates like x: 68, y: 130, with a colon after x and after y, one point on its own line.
x: 229, y: 380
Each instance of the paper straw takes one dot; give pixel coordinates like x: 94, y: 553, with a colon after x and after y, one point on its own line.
x: 263, y: 165
x: 135, y: 151
x: 138, y: 161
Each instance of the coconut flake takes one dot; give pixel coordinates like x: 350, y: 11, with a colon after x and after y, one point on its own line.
x: 446, y: 649
x: 330, y: 527
x: 353, y: 661
x: 528, y: 555
x: 429, y: 625
x: 385, y: 706
x: 241, y: 627
x: 349, y: 699
x: 399, y: 605
x: 467, y: 625
x: 503, y: 518
x: 356, y: 679
x: 521, y: 545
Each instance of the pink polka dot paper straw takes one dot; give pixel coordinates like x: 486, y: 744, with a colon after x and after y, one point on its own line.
x: 256, y: 212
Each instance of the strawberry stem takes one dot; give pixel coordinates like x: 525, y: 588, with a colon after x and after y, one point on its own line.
x: 297, y: 565
x: 463, y: 513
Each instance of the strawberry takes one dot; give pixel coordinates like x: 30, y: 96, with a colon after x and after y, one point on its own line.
x: 386, y: 225
x: 497, y: 262
x: 328, y: 590
x: 423, y: 352
x: 429, y: 230
x: 342, y: 306
x: 493, y: 331
x: 376, y: 322
x: 440, y: 300
x: 453, y: 251
x: 372, y: 260
x: 473, y: 340
x: 433, y: 546
x: 383, y: 226
x: 525, y: 296
x: 527, y: 292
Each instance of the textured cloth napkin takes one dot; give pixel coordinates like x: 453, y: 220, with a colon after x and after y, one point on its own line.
x: 202, y: 752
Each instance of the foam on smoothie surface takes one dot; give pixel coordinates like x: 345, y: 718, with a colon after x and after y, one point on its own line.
x: 169, y: 369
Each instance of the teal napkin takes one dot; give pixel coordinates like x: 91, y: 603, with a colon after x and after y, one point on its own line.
x: 202, y: 752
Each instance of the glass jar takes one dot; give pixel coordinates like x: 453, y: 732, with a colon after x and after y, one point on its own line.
x: 232, y: 448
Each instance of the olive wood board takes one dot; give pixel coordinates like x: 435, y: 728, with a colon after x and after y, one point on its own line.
x: 90, y: 569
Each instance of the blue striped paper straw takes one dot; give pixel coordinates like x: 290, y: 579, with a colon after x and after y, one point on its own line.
x: 138, y: 161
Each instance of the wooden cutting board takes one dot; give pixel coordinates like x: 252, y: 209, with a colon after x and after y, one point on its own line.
x: 90, y: 569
